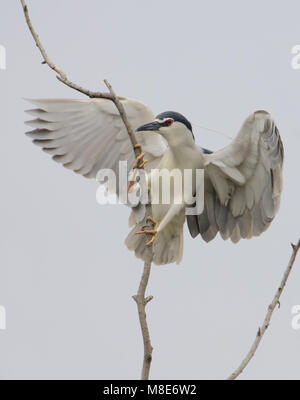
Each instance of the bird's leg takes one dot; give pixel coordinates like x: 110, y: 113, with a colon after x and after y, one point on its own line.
x: 131, y: 181
x: 139, y: 163
x: 172, y: 212
x: 152, y: 232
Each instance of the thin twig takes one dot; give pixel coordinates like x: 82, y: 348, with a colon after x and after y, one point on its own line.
x: 141, y: 302
x: 123, y: 115
x: 46, y: 60
x: 262, y: 329
x: 62, y: 77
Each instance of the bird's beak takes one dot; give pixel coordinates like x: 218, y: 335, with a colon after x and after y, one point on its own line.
x: 152, y: 126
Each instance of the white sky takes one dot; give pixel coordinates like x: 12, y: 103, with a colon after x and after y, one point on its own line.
x: 66, y: 278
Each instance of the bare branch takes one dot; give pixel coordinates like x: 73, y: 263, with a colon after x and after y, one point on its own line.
x: 62, y: 77
x: 262, y: 329
x: 123, y: 115
x: 141, y: 302
x: 46, y: 60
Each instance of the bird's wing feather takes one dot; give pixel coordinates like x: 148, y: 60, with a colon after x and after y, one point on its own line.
x: 243, y: 183
x: 87, y: 135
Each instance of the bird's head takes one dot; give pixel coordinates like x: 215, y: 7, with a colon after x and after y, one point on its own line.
x: 174, y: 127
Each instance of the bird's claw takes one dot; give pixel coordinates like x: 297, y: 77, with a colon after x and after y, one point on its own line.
x: 139, y: 163
x: 152, y: 232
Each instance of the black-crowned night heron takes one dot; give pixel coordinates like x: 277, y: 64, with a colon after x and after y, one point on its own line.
x: 242, y: 182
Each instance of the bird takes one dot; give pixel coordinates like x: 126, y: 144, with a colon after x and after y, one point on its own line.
x: 242, y: 182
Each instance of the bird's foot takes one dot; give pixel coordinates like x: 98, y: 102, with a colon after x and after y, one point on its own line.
x: 152, y: 232
x: 139, y: 163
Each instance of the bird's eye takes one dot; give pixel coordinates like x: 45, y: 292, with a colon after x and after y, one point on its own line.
x: 169, y: 121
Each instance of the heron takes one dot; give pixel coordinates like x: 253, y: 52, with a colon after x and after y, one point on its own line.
x: 242, y: 181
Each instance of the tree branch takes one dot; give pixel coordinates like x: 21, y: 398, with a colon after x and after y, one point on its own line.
x: 123, y: 115
x: 262, y: 329
x: 141, y: 302
x: 62, y: 77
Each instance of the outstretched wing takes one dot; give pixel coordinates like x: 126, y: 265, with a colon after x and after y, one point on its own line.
x: 243, y: 183
x: 87, y: 135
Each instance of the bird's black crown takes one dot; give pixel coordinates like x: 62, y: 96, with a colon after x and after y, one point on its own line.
x: 176, y: 117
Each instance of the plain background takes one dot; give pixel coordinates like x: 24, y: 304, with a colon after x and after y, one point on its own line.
x: 66, y: 278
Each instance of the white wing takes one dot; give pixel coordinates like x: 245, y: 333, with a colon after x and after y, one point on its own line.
x: 86, y: 135
x: 243, y: 183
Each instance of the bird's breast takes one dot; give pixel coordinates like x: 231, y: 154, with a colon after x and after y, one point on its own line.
x: 174, y: 181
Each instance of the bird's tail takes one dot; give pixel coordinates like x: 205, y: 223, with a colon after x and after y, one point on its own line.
x: 167, y: 247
